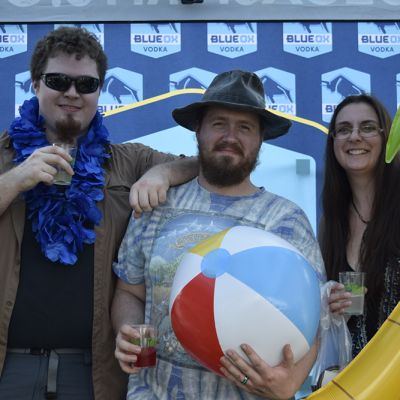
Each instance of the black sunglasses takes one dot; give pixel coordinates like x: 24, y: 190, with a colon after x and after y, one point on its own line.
x: 83, y: 84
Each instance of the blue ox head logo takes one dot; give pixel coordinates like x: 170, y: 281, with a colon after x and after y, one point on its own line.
x: 274, y: 89
x: 343, y: 86
x: 25, y: 87
x: 188, y: 81
x: 96, y: 27
x: 3, y: 28
x: 118, y: 89
x: 383, y: 26
x: 309, y: 25
x: 232, y: 26
x: 170, y: 25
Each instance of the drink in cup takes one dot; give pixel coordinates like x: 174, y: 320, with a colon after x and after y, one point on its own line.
x: 147, y: 341
x: 62, y: 177
x: 354, y: 283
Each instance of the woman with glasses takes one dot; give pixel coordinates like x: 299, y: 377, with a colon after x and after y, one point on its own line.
x: 359, y: 229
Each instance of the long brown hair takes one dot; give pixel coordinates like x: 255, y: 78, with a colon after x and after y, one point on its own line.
x: 381, y: 239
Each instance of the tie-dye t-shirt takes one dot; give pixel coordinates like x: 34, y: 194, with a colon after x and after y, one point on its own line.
x: 150, y: 253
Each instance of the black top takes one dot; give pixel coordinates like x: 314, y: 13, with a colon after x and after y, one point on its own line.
x: 54, y: 304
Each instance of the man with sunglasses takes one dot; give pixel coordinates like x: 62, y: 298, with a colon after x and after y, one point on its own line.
x: 58, y: 242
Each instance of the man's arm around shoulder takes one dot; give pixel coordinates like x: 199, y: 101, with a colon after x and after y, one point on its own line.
x: 151, y: 189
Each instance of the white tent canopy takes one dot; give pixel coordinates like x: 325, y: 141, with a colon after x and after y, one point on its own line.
x: 14, y: 11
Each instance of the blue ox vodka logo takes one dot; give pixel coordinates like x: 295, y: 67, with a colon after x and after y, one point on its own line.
x: 156, y: 39
x: 398, y: 89
x: 232, y: 39
x: 13, y: 40
x: 280, y: 89
x: 23, y: 89
x: 338, y: 84
x: 379, y: 39
x: 192, y: 78
x: 307, y: 39
x: 96, y: 29
x: 121, y: 87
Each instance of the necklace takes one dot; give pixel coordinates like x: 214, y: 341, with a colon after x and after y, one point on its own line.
x: 63, y: 221
x: 358, y: 213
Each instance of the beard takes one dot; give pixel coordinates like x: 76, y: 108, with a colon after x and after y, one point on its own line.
x: 68, y: 129
x: 223, y: 171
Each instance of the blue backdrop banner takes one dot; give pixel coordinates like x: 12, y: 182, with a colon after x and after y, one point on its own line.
x: 306, y: 68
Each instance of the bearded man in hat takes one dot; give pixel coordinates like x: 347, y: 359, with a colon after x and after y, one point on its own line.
x: 231, y: 123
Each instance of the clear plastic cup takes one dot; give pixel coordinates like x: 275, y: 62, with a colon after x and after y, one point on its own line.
x: 354, y: 283
x: 62, y: 177
x: 147, y: 341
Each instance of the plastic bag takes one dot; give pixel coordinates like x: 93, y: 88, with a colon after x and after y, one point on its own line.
x: 335, y: 347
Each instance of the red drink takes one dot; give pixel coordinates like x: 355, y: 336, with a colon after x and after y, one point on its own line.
x: 146, y: 358
x: 147, y: 341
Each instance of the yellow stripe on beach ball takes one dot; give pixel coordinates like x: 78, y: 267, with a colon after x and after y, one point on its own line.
x: 212, y: 243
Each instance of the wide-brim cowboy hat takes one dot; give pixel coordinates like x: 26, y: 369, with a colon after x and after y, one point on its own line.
x: 239, y: 90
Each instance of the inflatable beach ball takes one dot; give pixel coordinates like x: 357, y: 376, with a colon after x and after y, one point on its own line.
x: 244, y: 285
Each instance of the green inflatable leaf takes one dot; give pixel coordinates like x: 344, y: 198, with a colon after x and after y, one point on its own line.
x: 393, y: 143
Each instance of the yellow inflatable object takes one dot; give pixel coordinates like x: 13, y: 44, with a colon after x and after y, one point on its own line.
x: 375, y: 373
x: 393, y: 143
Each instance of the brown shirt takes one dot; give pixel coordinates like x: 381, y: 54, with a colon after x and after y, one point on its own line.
x: 127, y: 163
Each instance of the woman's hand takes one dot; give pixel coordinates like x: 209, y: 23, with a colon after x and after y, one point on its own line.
x: 339, y: 300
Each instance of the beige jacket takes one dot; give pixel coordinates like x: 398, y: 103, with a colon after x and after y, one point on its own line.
x: 127, y: 163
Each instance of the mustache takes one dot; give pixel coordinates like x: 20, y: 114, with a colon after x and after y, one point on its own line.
x: 229, y: 146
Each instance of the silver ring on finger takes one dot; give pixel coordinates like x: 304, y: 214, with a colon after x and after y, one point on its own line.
x: 244, y: 380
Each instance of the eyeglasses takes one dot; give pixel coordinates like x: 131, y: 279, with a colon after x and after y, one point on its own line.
x: 366, y: 130
x: 83, y: 84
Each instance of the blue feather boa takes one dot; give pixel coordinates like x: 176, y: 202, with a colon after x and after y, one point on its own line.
x: 62, y: 221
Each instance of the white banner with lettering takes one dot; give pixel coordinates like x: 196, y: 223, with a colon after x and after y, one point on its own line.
x: 14, y: 11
